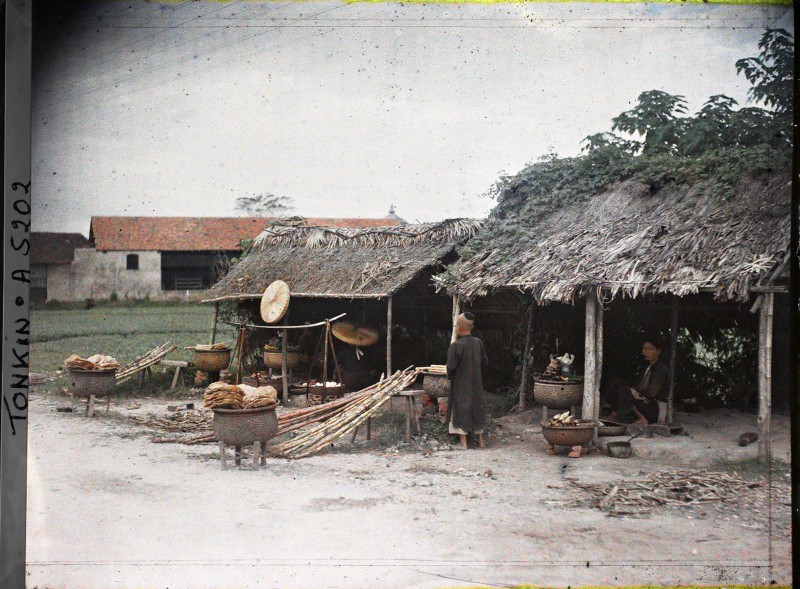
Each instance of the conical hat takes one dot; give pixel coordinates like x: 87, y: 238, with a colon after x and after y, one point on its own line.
x: 355, y: 333
x: 275, y: 302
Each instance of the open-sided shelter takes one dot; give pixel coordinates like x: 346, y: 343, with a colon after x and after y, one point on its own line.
x: 359, y: 271
x: 630, y: 242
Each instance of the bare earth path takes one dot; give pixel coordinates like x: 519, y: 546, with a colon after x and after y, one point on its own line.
x: 108, y: 508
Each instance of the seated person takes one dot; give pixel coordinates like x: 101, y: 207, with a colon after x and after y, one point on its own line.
x: 639, y: 405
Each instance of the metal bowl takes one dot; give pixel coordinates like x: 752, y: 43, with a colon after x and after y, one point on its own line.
x: 568, y: 435
x: 558, y: 395
x: 618, y: 449
x: 212, y: 360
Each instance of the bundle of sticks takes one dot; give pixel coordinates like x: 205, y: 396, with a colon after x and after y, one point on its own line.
x: 154, y: 356
x: 439, y: 369
x: 661, y: 489
x: 209, y: 347
x: 183, y: 421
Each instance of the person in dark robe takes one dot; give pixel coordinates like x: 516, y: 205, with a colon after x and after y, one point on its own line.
x: 466, y: 361
x: 639, y: 404
x: 356, y: 369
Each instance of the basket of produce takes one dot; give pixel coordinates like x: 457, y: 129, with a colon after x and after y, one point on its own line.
x: 557, y: 394
x: 242, y: 414
x: 273, y: 355
x: 565, y: 430
x: 212, y: 358
x: 319, y: 393
x: 95, y: 375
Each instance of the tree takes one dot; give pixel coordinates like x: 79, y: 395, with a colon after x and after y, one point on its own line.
x: 264, y: 205
x: 771, y: 73
x: 655, y: 117
x: 711, y: 128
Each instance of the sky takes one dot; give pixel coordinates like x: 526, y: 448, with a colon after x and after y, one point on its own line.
x: 179, y: 108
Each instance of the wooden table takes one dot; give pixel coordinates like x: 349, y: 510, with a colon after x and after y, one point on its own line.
x: 410, y: 396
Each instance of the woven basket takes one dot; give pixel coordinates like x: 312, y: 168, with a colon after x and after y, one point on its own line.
x: 436, y: 385
x: 317, y: 395
x: 273, y: 359
x: 84, y: 383
x: 242, y: 427
x: 212, y: 360
x: 558, y: 395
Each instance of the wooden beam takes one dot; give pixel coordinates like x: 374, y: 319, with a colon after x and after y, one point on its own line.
x: 389, y: 338
x: 599, y: 361
x: 214, y: 322
x: 765, y: 378
x: 523, y: 387
x: 590, y: 356
x: 456, y: 313
x: 284, y: 360
x: 673, y: 349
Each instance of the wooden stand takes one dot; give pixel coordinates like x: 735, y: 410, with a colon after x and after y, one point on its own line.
x: 410, y: 396
x: 259, y: 455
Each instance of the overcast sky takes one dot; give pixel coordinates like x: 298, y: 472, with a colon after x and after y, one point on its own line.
x: 179, y: 108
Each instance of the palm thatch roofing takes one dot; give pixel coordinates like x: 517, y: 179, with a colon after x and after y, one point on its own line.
x: 681, y: 240
x: 319, y: 261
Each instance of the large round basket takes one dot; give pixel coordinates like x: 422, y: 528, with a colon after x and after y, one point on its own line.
x: 436, y: 385
x: 212, y: 360
x: 568, y: 435
x: 317, y: 394
x: 84, y: 383
x: 273, y: 359
x: 557, y: 395
x: 242, y: 427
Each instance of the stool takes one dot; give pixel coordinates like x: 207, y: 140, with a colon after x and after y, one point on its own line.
x: 259, y: 454
x: 411, y: 395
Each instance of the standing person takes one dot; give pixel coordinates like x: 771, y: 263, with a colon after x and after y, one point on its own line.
x: 466, y: 360
x: 639, y: 404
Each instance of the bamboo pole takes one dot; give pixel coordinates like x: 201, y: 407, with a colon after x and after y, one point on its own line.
x: 599, y: 355
x: 325, y: 354
x: 590, y: 357
x: 214, y: 323
x: 242, y: 337
x: 765, y: 377
x: 389, y: 337
x: 284, y: 361
x: 673, y: 356
x: 523, y: 386
x: 456, y: 313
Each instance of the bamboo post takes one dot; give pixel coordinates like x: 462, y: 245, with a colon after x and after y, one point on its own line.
x: 456, y: 313
x: 590, y: 356
x: 389, y: 337
x: 523, y: 387
x: 673, y: 356
x: 599, y: 355
x: 325, y: 354
x: 214, y: 322
x: 284, y: 361
x: 242, y: 337
x: 765, y: 377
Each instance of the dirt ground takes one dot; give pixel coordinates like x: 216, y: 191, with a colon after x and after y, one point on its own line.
x: 109, y: 508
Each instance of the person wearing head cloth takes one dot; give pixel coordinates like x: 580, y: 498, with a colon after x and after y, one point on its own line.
x: 466, y: 361
x: 639, y: 404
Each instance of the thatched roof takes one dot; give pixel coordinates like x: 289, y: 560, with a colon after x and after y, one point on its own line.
x: 681, y: 240
x: 346, y: 263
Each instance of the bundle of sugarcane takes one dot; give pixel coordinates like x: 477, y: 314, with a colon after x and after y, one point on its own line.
x: 220, y: 395
x: 345, y: 418
x: 439, y: 369
x: 152, y: 357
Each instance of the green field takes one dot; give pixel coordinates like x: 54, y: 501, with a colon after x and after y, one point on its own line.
x: 124, y: 332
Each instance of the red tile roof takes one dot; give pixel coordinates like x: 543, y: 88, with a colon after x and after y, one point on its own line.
x: 195, y: 233
x: 55, y: 248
